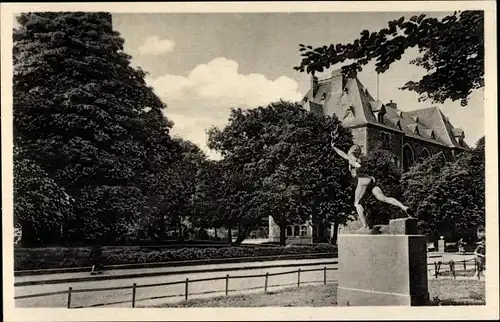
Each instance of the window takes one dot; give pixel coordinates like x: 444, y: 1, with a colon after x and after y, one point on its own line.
x: 380, y: 117
x: 408, y: 157
x: 385, y: 140
x: 289, y: 231
x: 424, y: 154
x: 296, y: 230
x: 396, y: 162
x: 303, y: 231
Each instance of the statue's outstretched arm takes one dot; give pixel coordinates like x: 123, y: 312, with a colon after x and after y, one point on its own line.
x: 352, y: 160
x: 340, y: 152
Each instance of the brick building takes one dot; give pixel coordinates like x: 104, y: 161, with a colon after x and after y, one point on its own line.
x: 411, y: 136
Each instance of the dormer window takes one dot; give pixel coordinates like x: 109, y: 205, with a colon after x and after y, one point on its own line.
x: 323, y: 97
x: 398, y: 125
x: 349, y: 112
x: 305, y: 99
x: 380, y: 117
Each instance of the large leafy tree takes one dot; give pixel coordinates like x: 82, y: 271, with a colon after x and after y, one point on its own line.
x: 86, y: 117
x: 451, y: 50
x: 182, y: 179
x: 288, y: 169
x: 227, y: 197
x: 41, y: 206
x: 449, y: 198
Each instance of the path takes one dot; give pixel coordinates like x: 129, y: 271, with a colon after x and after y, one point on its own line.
x: 89, y: 298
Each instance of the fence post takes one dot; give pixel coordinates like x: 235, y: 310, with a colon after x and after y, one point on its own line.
x: 298, y: 277
x: 452, y: 267
x: 227, y: 284
x: 69, y: 297
x: 436, y: 269
x: 324, y: 275
x: 133, y: 294
x: 265, y: 283
x: 465, y: 266
x: 187, y: 289
x: 478, y: 272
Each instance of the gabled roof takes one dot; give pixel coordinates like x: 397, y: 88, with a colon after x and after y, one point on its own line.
x: 339, y: 95
x: 433, y: 118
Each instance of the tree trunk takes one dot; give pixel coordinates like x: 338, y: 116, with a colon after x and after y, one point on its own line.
x: 28, y: 237
x: 179, y: 227
x: 215, y: 233
x: 335, y: 233
x: 242, y: 234
x: 229, y: 235
x: 283, y: 233
x: 321, y: 231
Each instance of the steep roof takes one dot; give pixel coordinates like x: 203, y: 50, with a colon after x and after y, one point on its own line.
x: 352, y: 103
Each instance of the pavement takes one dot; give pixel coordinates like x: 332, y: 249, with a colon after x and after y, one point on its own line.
x: 159, y: 271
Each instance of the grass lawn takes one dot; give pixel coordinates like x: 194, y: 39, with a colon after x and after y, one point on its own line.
x: 442, y: 292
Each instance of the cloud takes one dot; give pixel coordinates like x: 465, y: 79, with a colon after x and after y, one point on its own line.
x: 205, y: 96
x: 219, y: 85
x: 153, y: 45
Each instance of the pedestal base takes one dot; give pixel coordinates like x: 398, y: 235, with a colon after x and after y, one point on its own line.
x: 382, y: 270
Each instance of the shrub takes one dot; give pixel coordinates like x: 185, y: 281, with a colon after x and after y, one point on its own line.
x: 39, y: 258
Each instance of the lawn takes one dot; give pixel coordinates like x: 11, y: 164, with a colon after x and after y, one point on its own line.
x: 443, y: 291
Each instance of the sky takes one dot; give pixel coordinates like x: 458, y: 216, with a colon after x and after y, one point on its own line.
x: 203, y: 64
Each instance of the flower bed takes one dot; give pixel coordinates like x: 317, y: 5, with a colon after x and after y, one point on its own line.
x: 41, y: 258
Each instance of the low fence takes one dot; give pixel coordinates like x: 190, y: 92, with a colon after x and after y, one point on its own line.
x: 187, y: 282
x: 455, y: 267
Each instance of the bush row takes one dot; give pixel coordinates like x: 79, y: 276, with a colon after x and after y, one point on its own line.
x: 40, y: 258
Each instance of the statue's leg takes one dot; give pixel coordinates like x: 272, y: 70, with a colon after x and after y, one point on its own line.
x: 363, y: 184
x: 377, y: 192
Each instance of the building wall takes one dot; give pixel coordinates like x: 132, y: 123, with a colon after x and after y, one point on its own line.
x: 418, y: 146
x: 395, y: 141
x: 360, y: 137
x: 295, y: 234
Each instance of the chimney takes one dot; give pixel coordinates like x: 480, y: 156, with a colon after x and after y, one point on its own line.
x: 338, y: 82
x: 458, y: 133
x: 314, y: 86
x: 392, y: 105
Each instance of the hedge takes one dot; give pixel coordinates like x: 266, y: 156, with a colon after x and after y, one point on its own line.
x: 42, y: 258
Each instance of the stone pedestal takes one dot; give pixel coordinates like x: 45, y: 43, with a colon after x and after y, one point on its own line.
x: 383, y: 270
x: 441, y: 245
